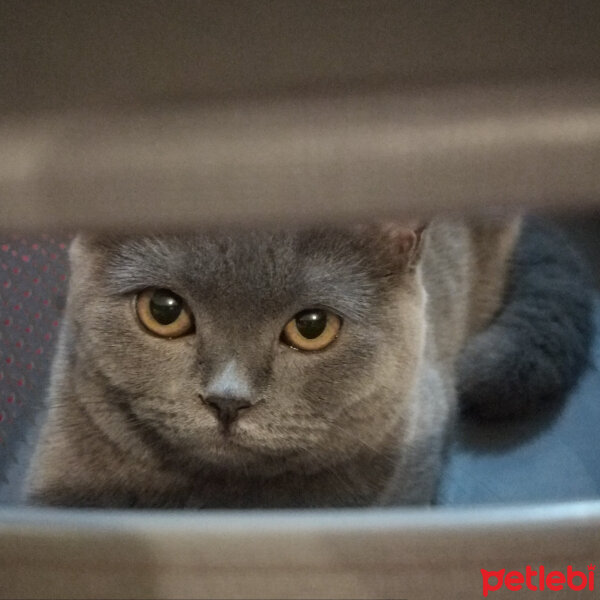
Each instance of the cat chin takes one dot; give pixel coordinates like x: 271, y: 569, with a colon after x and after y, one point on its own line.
x: 238, y: 453
x: 243, y: 462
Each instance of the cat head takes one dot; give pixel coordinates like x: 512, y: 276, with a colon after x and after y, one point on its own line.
x: 253, y: 350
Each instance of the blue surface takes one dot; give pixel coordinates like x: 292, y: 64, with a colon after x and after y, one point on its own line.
x: 549, y: 458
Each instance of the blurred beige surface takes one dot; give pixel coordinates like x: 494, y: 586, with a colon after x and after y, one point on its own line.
x: 412, y: 554
x: 146, y: 114
x: 63, y: 55
x: 304, y: 159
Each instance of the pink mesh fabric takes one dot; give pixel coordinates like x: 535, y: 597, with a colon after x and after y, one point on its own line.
x: 33, y: 282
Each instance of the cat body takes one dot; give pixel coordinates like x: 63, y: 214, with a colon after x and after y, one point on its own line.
x: 364, y: 421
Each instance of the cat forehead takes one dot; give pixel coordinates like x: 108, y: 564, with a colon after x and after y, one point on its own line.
x: 275, y: 268
x: 249, y: 257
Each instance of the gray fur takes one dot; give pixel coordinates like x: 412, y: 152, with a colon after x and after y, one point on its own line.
x: 362, y: 422
x: 536, y: 348
x: 325, y: 428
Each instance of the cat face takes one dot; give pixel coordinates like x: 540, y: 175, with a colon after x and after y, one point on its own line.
x: 193, y: 346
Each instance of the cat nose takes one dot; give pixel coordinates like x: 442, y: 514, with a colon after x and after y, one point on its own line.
x: 226, y: 408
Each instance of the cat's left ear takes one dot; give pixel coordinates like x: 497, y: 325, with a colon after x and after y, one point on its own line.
x: 400, y: 243
x: 406, y: 241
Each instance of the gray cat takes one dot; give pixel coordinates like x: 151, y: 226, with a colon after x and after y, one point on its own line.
x: 317, y: 367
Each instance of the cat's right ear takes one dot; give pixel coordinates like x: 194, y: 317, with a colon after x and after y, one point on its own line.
x: 82, y: 256
x: 79, y: 247
x: 90, y: 243
x: 88, y: 251
x: 82, y: 246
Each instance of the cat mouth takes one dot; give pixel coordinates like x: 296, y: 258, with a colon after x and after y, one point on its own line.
x: 227, y: 432
x: 229, y: 436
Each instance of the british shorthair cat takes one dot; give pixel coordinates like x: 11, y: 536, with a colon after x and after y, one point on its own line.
x: 299, y: 368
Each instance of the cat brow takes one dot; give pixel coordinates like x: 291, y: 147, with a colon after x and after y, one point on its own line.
x: 126, y: 278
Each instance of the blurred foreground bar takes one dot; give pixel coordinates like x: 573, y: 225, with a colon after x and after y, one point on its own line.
x: 406, y: 553
x: 175, y: 114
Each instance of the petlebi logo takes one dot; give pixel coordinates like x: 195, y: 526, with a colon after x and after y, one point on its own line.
x: 537, y: 580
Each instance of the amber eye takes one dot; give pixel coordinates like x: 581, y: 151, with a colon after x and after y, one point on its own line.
x: 312, y: 329
x: 164, y: 313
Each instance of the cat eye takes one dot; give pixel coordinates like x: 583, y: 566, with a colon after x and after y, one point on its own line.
x: 164, y: 313
x: 311, y: 329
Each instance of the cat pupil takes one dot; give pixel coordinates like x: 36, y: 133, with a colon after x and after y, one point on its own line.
x: 165, y: 306
x: 311, y: 323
